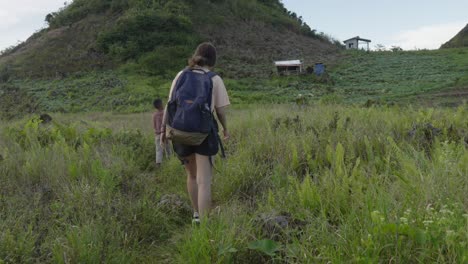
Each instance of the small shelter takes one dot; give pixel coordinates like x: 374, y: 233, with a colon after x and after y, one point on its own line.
x: 353, y: 43
x: 289, y: 67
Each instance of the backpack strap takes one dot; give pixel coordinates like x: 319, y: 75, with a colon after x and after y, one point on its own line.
x: 211, y: 74
x: 181, y: 76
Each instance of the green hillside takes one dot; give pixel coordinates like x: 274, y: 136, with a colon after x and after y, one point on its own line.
x: 157, y: 37
x: 460, y: 40
x: 405, y: 77
x: 118, y: 56
x: 437, y: 77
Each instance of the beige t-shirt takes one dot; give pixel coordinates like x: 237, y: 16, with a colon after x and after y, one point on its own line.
x: 220, y: 96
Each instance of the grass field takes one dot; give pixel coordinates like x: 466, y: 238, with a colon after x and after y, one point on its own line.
x: 315, y: 184
x: 434, y: 78
x: 403, y: 76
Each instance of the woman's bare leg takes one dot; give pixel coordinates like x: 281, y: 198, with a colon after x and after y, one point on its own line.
x: 204, y: 175
x: 192, y: 187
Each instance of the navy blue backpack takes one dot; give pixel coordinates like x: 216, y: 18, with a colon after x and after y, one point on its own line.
x: 190, y: 119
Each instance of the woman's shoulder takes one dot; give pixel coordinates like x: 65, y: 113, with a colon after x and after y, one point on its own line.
x: 217, y: 79
x: 216, y: 76
x: 218, y: 83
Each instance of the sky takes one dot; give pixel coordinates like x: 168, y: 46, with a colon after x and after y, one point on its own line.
x: 410, y: 24
x: 19, y: 19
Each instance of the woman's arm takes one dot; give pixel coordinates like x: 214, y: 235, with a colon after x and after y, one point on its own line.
x: 221, y: 113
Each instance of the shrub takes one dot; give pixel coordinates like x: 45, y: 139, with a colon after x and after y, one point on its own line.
x: 79, y: 9
x: 154, y: 38
x: 15, y: 102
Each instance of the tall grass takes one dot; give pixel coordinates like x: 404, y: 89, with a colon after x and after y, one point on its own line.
x: 354, y: 184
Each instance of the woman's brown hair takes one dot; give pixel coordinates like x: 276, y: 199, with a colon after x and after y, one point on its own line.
x: 205, y: 55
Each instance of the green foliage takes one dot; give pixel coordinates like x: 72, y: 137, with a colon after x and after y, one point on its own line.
x: 165, y: 61
x: 458, y: 41
x: 373, y: 80
x: 15, y: 102
x: 79, y: 9
x: 16, y: 244
x: 156, y: 37
x: 353, y: 184
x: 137, y: 147
x: 400, y: 76
x: 141, y: 32
x: 80, y: 211
x: 331, y: 99
x: 157, y: 34
x: 265, y: 246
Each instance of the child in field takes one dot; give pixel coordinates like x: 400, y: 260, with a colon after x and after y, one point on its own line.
x: 158, y: 129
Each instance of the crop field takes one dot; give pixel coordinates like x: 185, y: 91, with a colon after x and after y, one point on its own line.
x: 430, y: 78
x: 323, y: 183
x: 402, y: 76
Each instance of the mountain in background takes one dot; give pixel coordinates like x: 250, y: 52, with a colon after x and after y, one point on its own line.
x: 156, y: 38
x: 460, y: 40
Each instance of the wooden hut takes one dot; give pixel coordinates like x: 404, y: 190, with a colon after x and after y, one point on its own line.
x: 353, y: 43
x: 289, y: 67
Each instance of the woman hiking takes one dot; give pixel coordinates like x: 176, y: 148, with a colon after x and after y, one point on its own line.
x: 196, y: 94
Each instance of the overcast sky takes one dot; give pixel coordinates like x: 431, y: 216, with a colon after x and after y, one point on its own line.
x: 406, y: 23
x: 19, y: 19
x: 409, y: 24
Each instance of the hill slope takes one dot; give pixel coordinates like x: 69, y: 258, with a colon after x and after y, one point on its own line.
x: 460, y: 40
x: 156, y: 37
x: 436, y: 77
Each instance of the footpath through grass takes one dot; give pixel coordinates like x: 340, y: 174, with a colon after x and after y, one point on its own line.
x: 320, y: 184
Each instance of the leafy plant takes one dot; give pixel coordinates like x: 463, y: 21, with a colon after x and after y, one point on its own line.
x: 266, y: 246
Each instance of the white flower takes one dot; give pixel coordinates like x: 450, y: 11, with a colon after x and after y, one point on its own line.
x: 450, y: 234
x: 377, y: 217
x: 407, y: 212
x: 426, y: 223
x: 446, y: 211
x: 404, y: 220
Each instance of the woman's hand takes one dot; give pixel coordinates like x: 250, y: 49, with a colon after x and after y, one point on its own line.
x: 226, y: 134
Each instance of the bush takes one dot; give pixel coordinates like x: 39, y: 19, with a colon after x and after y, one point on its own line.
x: 79, y: 9
x: 153, y: 37
x: 15, y: 102
x: 165, y: 60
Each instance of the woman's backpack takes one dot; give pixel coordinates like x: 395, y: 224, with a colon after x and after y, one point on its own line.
x: 190, y: 119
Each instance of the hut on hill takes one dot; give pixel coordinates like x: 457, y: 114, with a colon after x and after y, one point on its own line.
x: 289, y: 67
x: 353, y: 43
